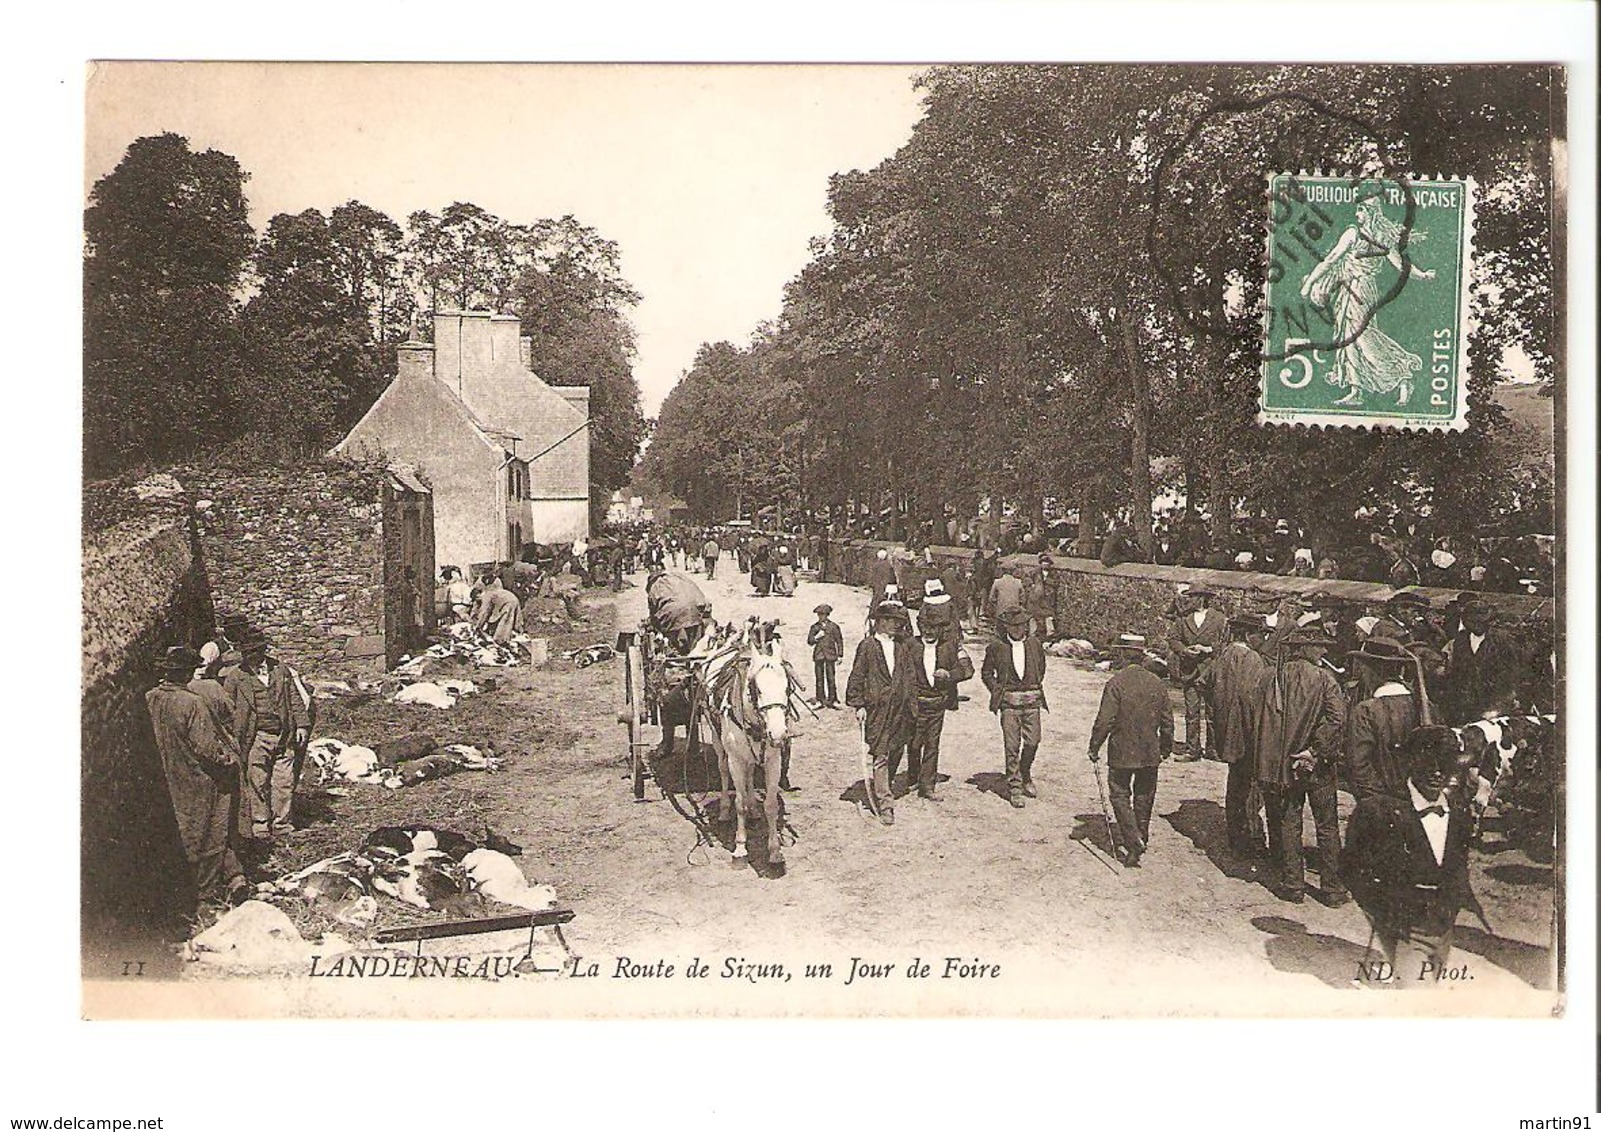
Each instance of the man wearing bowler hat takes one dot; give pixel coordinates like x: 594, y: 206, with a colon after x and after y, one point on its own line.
x: 1300, y: 733
x: 1014, y: 673
x: 1201, y: 633
x: 938, y: 666
x: 1406, y: 860
x: 1135, y: 721
x: 201, y: 765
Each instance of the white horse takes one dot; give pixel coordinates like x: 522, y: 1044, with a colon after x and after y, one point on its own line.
x: 747, y: 723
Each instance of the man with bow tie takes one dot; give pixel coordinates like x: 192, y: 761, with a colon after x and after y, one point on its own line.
x: 1406, y: 860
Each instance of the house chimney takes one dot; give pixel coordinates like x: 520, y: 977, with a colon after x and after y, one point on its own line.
x: 447, y: 348
x: 416, y: 359
x: 503, y: 342
x: 525, y: 351
x: 461, y: 349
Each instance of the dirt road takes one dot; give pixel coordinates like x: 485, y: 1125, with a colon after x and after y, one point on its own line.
x: 1012, y: 911
x: 971, y: 879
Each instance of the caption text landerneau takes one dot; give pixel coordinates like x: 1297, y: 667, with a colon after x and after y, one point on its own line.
x: 738, y: 968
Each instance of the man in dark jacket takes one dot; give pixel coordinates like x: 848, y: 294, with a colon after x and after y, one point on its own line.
x: 1381, y: 722
x: 1136, y: 723
x: 1014, y: 673
x: 1199, y: 633
x: 985, y: 566
x: 1300, y: 732
x: 1481, y: 671
x: 1237, y: 678
x: 272, y: 724
x: 828, y: 649
x: 1406, y: 860
x: 1119, y: 547
x: 936, y: 661
x: 201, y: 764
x: 879, y: 688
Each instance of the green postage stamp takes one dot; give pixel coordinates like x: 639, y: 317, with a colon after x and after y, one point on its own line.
x: 1367, y: 322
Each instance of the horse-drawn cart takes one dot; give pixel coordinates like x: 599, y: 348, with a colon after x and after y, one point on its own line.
x: 657, y: 692
x: 639, y: 705
x: 734, y: 696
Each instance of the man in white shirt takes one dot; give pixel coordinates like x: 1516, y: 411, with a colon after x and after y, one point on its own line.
x: 880, y: 689
x: 1406, y: 862
x: 934, y: 676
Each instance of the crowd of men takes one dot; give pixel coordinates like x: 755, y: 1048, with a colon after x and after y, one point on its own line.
x: 1298, y: 698
x: 1402, y: 551
x: 231, y: 722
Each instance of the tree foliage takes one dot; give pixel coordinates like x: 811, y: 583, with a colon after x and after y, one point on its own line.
x: 1055, y: 286
x: 166, y: 239
x: 200, y: 335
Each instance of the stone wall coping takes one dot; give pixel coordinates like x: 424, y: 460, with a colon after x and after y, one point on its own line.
x: 1520, y: 607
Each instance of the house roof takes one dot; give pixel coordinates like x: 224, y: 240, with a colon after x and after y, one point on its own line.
x: 492, y: 439
x: 406, y: 476
x: 548, y: 430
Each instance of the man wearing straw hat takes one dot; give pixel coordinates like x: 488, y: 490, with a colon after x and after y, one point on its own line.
x: 1135, y: 721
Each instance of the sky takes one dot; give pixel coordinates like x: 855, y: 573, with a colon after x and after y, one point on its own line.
x: 711, y: 179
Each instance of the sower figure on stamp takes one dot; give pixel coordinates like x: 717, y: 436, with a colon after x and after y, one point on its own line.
x: 939, y: 665
x: 1299, y: 735
x: 1201, y: 633
x: 1237, y: 679
x: 879, y: 688
x: 1014, y: 673
x: 1406, y: 859
x: 1135, y: 722
x: 201, y: 763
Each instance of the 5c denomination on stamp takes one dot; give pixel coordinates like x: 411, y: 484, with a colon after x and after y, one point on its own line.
x: 1367, y: 322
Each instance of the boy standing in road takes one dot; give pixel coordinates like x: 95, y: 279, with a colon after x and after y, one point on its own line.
x: 828, y: 649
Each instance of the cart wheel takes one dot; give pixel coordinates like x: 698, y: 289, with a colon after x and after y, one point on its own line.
x: 636, y: 745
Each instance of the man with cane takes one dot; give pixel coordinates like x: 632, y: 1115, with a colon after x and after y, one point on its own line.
x: 880, y: 689
x: 1136, y: 724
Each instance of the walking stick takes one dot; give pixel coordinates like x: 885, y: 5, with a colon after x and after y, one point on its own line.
x: 867, y: 767
x: 1112, y: 836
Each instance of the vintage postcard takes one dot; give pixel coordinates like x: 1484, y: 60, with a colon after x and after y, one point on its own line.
x: 569, y: 541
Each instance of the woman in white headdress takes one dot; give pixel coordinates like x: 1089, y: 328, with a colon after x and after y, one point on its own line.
x: 1346, y: 285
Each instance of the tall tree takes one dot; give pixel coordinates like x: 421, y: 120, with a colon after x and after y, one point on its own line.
x: 311, y: 368
x: 166, y: 237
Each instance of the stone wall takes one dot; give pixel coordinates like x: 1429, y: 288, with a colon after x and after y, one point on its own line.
x: 143, y: 589
x: 1097, y: 603
x: 300, y: 552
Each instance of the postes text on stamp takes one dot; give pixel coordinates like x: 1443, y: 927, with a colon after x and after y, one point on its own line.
x: 1367, y: 321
